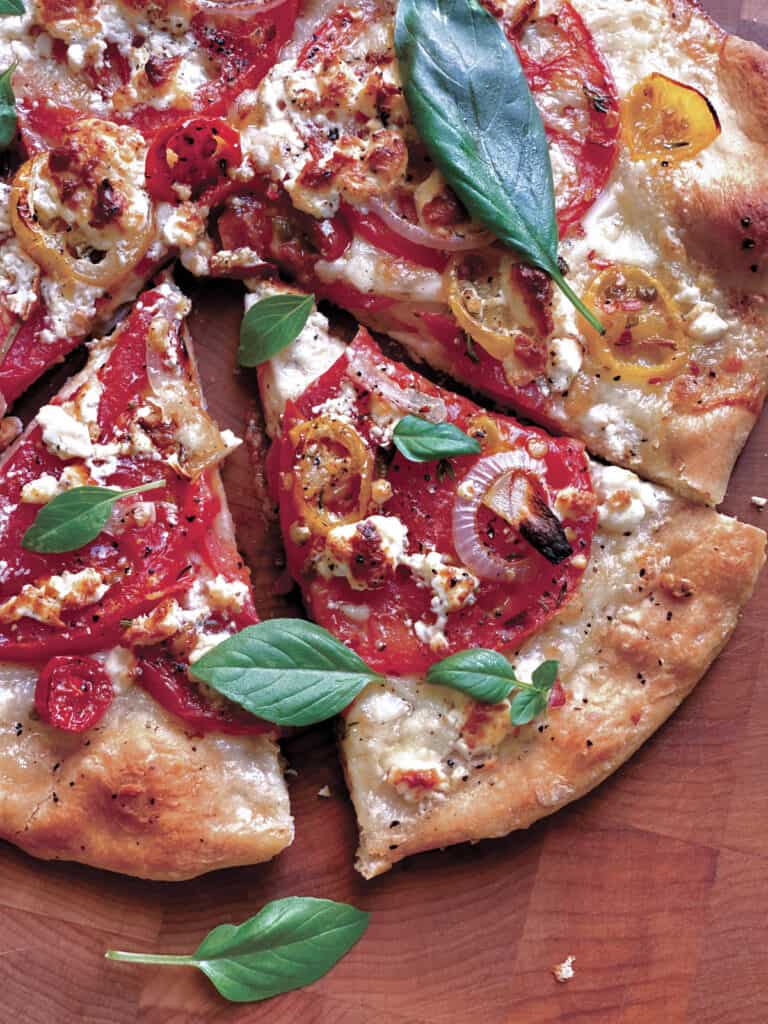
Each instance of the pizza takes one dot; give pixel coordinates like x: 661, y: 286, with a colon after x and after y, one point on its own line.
x: 528, y: 547
x: 275, y: 143
x: 658, y: 163
x: 109, y: 754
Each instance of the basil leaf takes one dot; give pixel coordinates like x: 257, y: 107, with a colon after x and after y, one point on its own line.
x: 285, y: 671
x: 8, y: 115
x: 270, y: 325
x: 290, y: 943
x: 421, y: 441
x: 11, y: 7
x: 543, y: 677
x: 485, y: 675
x: 471, y: 105
x: 527, y: 704
x: 75, y: 517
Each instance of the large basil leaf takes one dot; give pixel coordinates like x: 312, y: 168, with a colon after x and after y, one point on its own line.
x: 485, y: 675
x: 290, y: 943
x: 285, y: 671
x: 471, y: 105
x: 11, y: 7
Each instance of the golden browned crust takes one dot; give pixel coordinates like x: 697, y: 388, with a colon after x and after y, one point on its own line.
x: 137, y: 794
x: 665, y: 628
x: 744, y: 77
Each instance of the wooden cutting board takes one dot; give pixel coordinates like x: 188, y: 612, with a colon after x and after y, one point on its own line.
x: 656, y: 882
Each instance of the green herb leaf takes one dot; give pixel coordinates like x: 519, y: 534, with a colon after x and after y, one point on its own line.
x: 270, y: 325
x: 485, y: 675
x: 526, y: 705
x: 421, y: 441
x: 11, y: 7
x: 8, y: 115
x: 290, y: 943
x: 285, y: 671
x: 471, y: 105
x: 543, y: 677
x: 74, y: 518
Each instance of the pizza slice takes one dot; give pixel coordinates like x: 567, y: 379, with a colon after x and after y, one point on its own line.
x: 145, y: 65
x: 609, y: 596
x: 109, y: 753
x: 660, y: 184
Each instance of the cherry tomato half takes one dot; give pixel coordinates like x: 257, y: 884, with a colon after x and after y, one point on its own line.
x: 73, y: 693
x: 196, y: 153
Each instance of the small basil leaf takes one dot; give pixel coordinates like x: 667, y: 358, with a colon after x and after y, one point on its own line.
x: 472, y: 107
x: 285, y: 671
x: 485, y: 675
x: 526, y: 705
x: 270, y: 325
x: 290, y: 943
x: 421, y: 441
x: 543, y: 677
x: 11, y: 7
x: 8, y: 115
x: 74, y: 518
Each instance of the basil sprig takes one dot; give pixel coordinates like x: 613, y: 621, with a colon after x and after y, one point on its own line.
x: 421, y: 441
x: 472, y: 107
x: 488, y: 676
x: 11, y: 7
x: 270, y: 325
x: 292, y: 672
x: 290, y: 943
x: 74, y: 518
x: 8, y: 115
x: 286, y: 671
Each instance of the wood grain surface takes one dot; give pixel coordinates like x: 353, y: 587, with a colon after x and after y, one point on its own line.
x: 656, y: 882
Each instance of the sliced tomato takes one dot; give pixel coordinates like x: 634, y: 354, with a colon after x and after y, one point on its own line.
x: 575, y: 92
x: 374, y: 230
x: 142, y: 565
x: 168, y: 682
x: 196, y: 154
x: 502, y: 612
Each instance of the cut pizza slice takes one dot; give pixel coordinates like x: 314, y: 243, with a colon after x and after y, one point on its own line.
x: 109, y: 753
x: 421, y: 527
x: 145, y: 65
x: 658, y: 166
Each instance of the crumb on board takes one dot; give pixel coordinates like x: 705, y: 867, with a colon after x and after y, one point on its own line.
x: 564, y: 972
x: 292, y: 772
x: 325, y: 791
x: 758, y: 502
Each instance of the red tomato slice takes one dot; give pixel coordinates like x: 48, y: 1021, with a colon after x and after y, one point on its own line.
x: 169, y: 684
x: 374, y: 230
x: 143, y: 565
x: 502, y: 613
x: 73, y: 693
x: 560, y: 59
x: 196, y: 153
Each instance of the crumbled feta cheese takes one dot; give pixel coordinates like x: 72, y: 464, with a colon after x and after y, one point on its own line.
x: 63, y: 435
x: 623, y: 499
x: 565, y: 358
x: 226, y: 595
x: 759, y: 502
x: 46, y: 600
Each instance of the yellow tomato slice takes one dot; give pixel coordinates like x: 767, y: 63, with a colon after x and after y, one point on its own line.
x: 49, y: 244
x: 499, y: 310
x: 332, y: 473
x: 644, y: 338
x: 664, y: 119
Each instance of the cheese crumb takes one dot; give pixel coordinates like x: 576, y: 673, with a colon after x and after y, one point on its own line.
x: 758, y: 502
x: 63, y: 435
x: 564, y: 972
x: 325, y: 792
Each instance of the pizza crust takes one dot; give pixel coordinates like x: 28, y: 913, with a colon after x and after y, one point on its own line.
x: 631, y: 647
x: 137, y: 794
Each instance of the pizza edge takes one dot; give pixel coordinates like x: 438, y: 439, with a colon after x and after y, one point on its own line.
x: 721, y: 559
